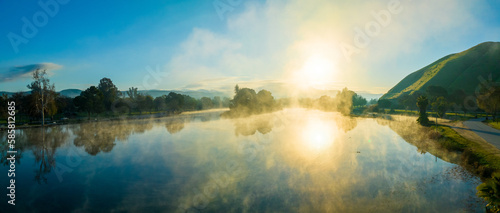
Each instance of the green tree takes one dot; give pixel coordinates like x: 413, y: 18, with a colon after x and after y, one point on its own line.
x: 110, y: 92
x: 133, y: 99
x: 344, y: 102
x: 190, y: 103
x: 42, y: 92
x: 413, y: 100
x: 140, y: 103
x: 372, y: 101
x: 265, y: 101
x: 358, y: 100
x: 490, y: 191
x: 132, y: 93
x: 384, y: 103
x: 23, y: 103
x: 65, y: 105
x: 457, y: 99
x: 489, y: 100
x: 236, y: 89
x: 160, y: 103
x: 174, y: 101
x: 90, y: 101
x: 244, y: 101
x: 405, y: 101
x: 422, y: 103
x: 217, y: 102
x: 440, y: 106
x: 148, y: 103
x: 206, y: 103
x: 3, y: 106
x: 325, y: 103
x: 52, y: 105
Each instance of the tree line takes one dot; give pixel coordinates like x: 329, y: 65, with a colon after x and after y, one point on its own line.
x: 247, y: 102
x: 441, y: 101
x: 43, y: 102
x: 344, y: 102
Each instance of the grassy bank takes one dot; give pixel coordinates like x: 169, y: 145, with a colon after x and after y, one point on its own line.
x: 449, y: 115
x: 494, y: 123
x: 479, y: 157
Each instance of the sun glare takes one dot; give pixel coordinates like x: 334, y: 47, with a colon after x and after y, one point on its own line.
x: 317, y: 71
x: 318, y: 135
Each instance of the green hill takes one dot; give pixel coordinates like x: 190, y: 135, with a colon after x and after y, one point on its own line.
x: 455, y: 71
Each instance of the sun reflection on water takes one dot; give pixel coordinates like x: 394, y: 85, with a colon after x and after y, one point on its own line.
x: 319, y: 135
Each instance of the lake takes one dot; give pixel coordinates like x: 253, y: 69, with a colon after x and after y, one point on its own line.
x: 294, y: 160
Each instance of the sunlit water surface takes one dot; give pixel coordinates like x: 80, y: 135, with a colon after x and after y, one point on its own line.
x: 290, y: 161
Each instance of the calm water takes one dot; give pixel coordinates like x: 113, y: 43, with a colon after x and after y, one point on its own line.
x: 290, y: 161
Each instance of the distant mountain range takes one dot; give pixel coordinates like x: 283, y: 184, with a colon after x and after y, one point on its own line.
x: 453, y: 72
x: 193, y: 93
x: 155, y: 93
x: 278, y: 93
x: 67, y: 92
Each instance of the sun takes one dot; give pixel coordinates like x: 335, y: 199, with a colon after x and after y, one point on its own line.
x: 317, y: 71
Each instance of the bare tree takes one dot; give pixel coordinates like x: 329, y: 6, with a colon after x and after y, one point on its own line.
x: 42, y: 92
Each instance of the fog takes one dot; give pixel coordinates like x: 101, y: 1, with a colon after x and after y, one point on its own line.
x: 291, y: 160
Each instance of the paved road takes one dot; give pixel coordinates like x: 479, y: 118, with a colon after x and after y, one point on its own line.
x: 489, y: 134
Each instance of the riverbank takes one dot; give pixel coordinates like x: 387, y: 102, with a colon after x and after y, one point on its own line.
x: 117, y: 118
x: 493, y: 123
x: 480, y: 156
x: 450, y: 141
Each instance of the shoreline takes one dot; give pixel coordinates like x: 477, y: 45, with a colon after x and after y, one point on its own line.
x: 119, y: 118
x: 451, y: 144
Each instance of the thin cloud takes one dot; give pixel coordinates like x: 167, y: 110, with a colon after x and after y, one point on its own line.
x: 22, y: 72
x: 273, y: 40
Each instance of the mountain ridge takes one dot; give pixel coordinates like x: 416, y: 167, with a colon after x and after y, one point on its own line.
x: 454, y: 71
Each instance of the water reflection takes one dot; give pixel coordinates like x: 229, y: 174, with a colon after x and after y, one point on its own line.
x: 175, y: 125
x: 319, y: 134
x: 44, y: 145
x: 246, y: 127
x: 300, y: 161
x: 95, y: 137
x: 4, y: 147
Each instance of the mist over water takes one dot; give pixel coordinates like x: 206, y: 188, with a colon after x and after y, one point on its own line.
x: 294, y: 160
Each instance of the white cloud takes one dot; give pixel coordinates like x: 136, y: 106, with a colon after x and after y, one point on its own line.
x: 24, y: 71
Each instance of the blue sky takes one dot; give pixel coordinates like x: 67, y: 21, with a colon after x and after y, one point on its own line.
x: 271, y: 44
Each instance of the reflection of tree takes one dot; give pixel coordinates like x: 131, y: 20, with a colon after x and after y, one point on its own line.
x: 174, y: 125
x: 250, y: 127
x: 94, y: 137
x: 420, y: 137
x: 45, y: 142
x: 347, y: 123
x: 4, y: 147
x: 98, y: 137
x: 142, y: 127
